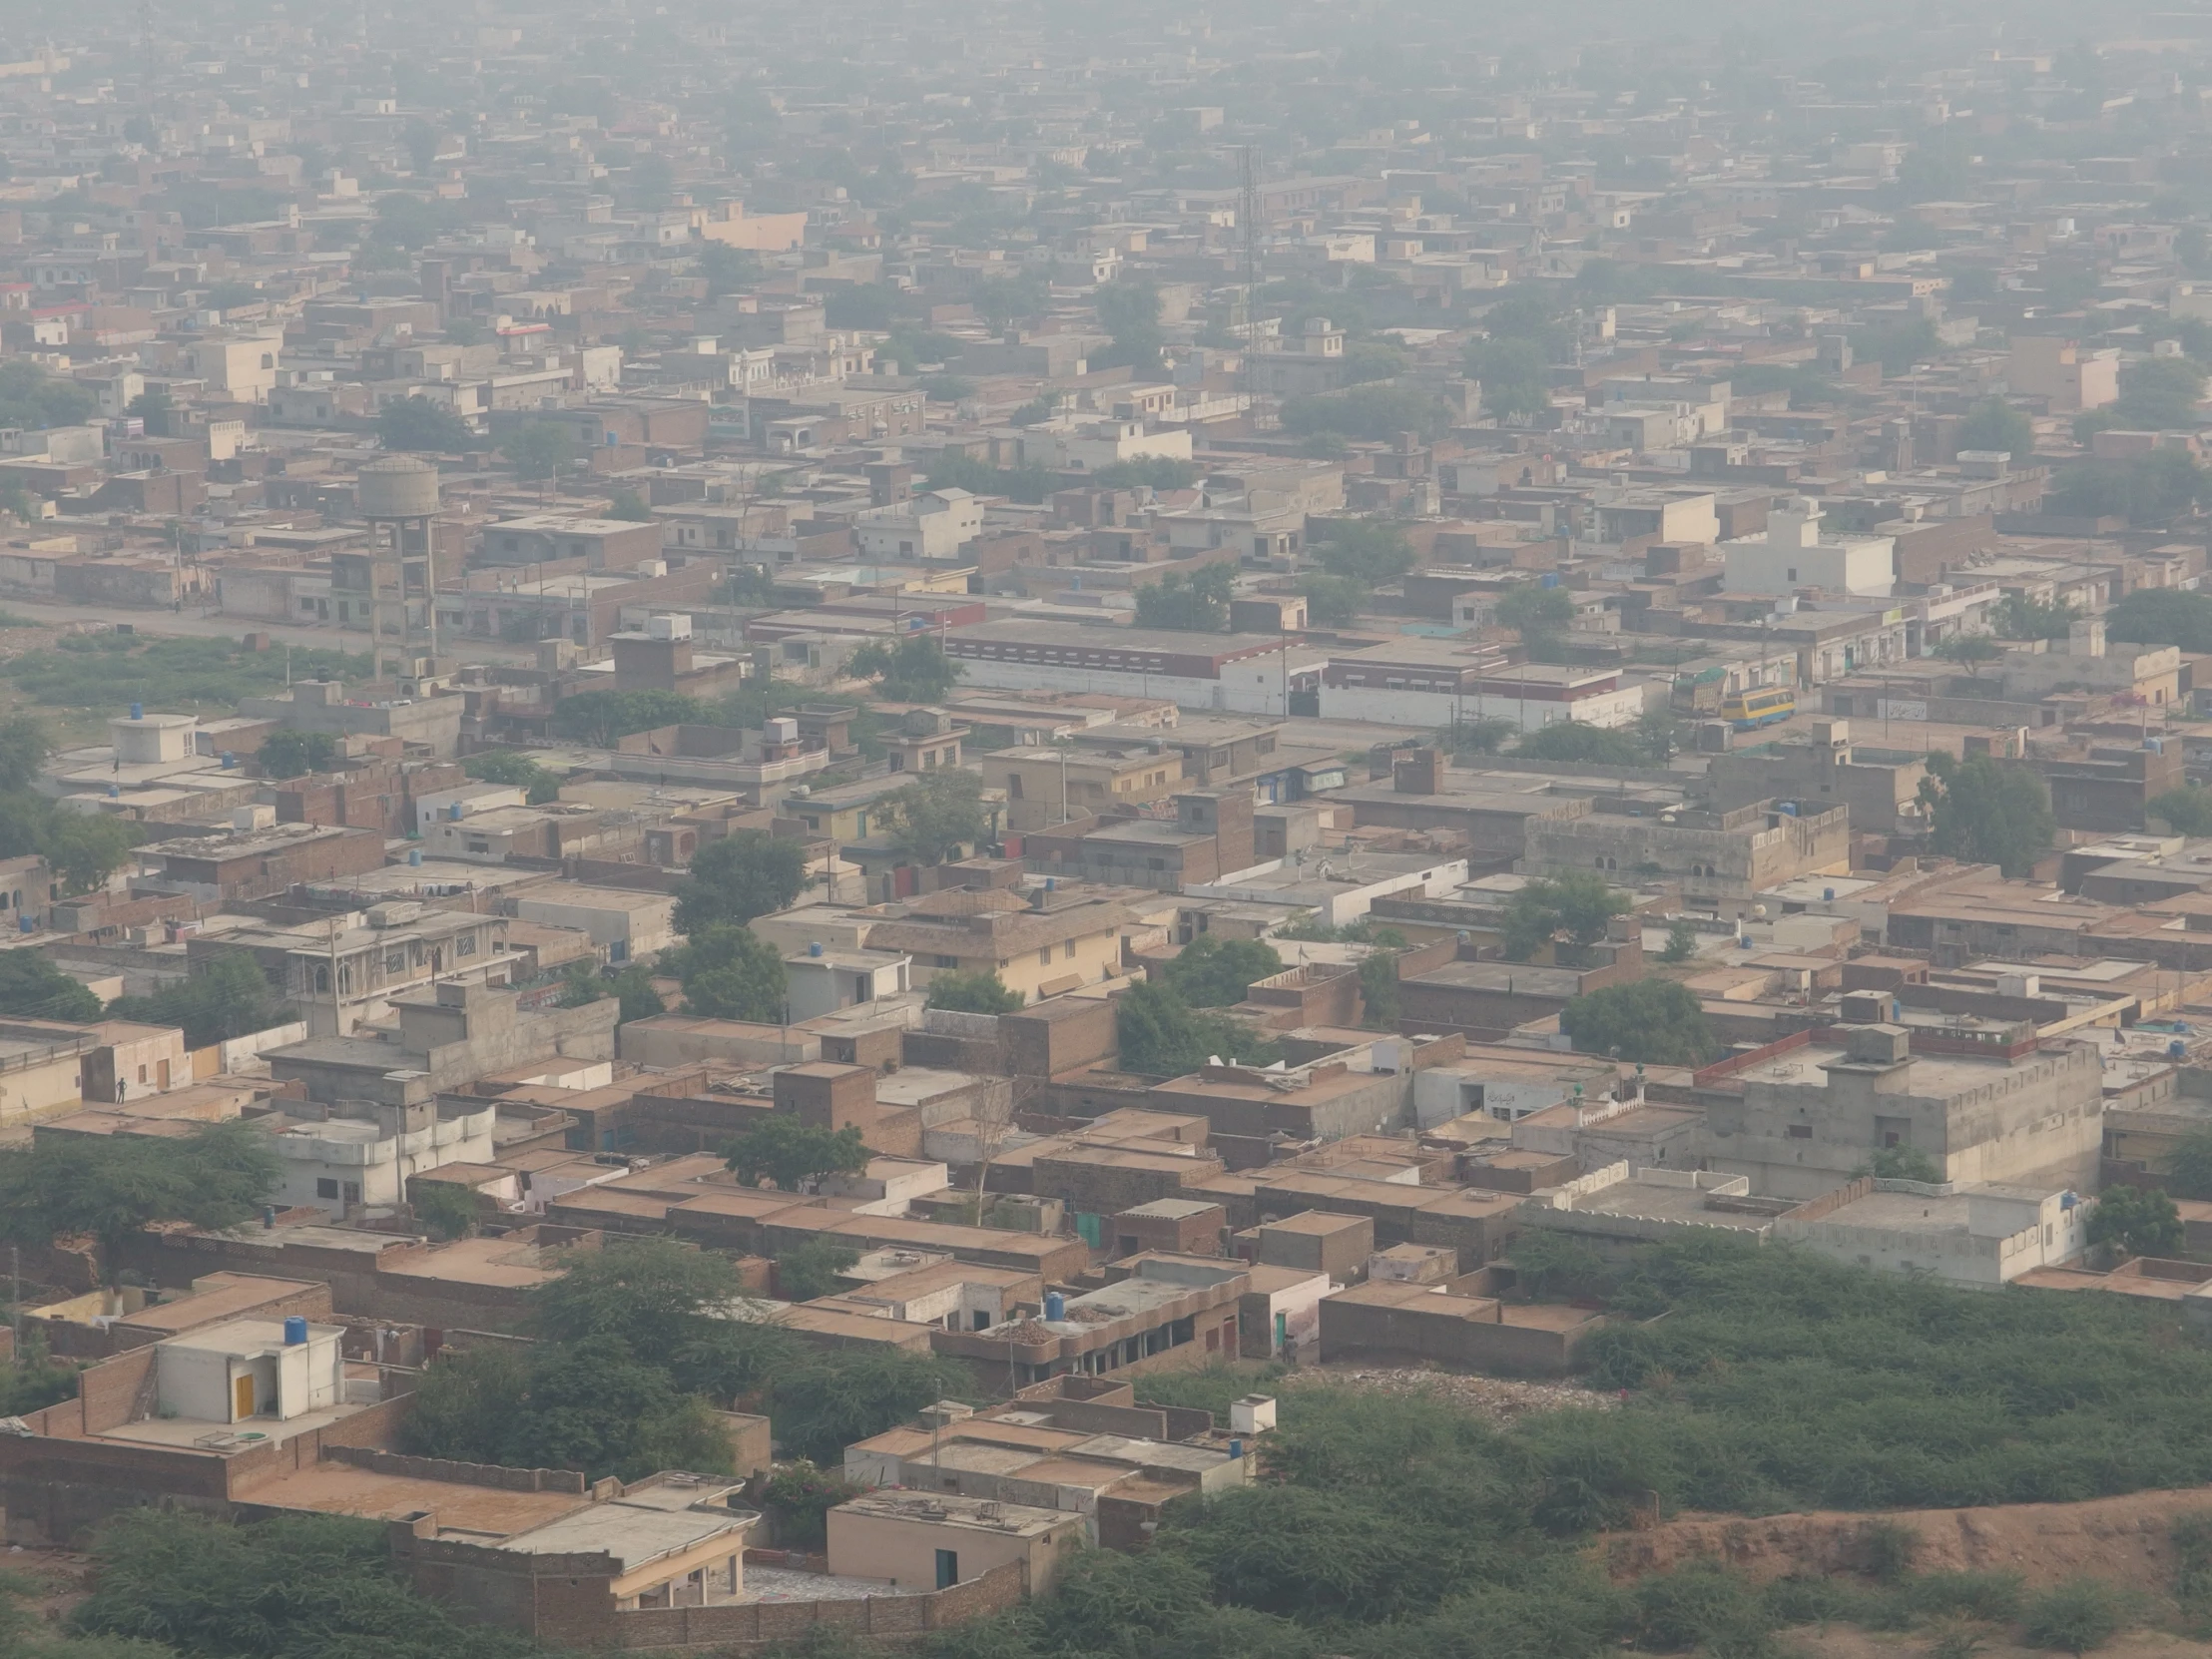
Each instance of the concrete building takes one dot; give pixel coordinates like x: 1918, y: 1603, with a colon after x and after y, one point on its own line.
x: 348, y: 971
x: 935, y: 524
x: 1720, y: 859
x: 363, y: 1153
x: 2019, y: 1113
x: 1979, y: 1233
x: 447, y: 1038
x: 1883, y: 796
x: 1039, y: 947
x: 934, y: 1540
x: 1240, y: 673
x: 629, y: 925
x: 433, y: 723
x: 1794, y: 554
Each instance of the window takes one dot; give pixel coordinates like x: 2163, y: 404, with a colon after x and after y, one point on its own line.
x: 1067, y: 951
x: 1801, y: 1131
x: 142, y: 1074
x: 327, y: 1189
x: 945, y: 961
x: 949, y: 1568
x: 396, y: 961
x: 1044, y: 959
x: 352, y: 1192
x: 465, y: 945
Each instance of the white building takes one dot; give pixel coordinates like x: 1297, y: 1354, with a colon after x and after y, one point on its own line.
x: 250, y: 1368
x: 933, y: 525
x: 627, y: 925
x: 821, y: 981
x: 1247, y: 674
x: 1794, y: 554
x: 365, y: 1154
x: 1979, y: 1233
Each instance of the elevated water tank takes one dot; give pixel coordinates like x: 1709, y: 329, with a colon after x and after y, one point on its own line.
x: 397, y: 487
x: 1055, y: 1305
x: 295, y: 1330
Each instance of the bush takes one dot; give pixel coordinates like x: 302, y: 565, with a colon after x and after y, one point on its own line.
x: 2072, y: 1618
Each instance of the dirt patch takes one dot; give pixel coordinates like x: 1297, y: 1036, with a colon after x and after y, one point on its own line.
x: 2122, y: 1539
x: 1495, y: 1399
x: 1844, y: 1642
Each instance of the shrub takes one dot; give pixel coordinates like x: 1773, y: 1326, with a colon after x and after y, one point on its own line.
x: 2072, y: 1618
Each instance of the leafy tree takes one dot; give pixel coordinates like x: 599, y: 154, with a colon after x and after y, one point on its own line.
x: 745, y: 875
x: 1988, y: 813
x: 2149, y: 489
x: 461, y: 330
x: 1129, y: 311
x: 1162, y: 1036
x: 29, y: 397
x: 1378, y: 990
x: 31, y: 987
x: 1376, y: 413
x: 112, y: 1186
x: 151, y: 405
x: 809, y: 1270
x: 84, y: 849
x: 2162, y: 616
x: 2188, y: 810
x: 1576, y: 902
x: 290, y: 754
x: 1334, y: 601
x: 978, y: 992
x: 1515, y: 377
x: 1903, y: 1163
x: 936, y: 815
x: 602, y: 718
x: 1654, y: 1021
x: 541, y: 785
x: 2160, y: 394
x: 1970, y: 649
x: 539, y: 449
x: 2140, y: 1219
x: 2019, y: 617
x: 1681, y: 944
x: 1896, y: 345
x: 1215, y: 972
x: 416, y: 423
x: 1029, y: 483
x: 445, y: 1209
x: 801, y: 1495
x: 631, y: 988
x: 1995, y: 424
x: 630, y: 506
x: 2190, y: 1166
x: 226, y: 997
x: 727, y: 269
x: 172, y: 1583
x: 1372, y: 551
x: 600, y: 1408
x: 1197, y: 603
x: 791, y: 1153
x: 826, y: 1400
x: 1549, y: 1264
x: 1539, y: 615
x: 1582, y: 744
x: 916, y: 670
x: 730, y: 972
x: 24, y: 746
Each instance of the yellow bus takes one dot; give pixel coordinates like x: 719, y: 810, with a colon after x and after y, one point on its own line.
x: 1746, y: 709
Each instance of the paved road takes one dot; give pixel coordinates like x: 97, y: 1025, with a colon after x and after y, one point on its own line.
x: 192, y: 621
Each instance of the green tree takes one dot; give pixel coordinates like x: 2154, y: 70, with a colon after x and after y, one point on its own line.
x: 1159, y: 473
x: 936, y: 815
x: 2162, y: 616
x: 1378, y: 997
x: 916, y: 670
x: 744, y: 874
x: 2188, y: 812
x: 2190, y: 1166
x: 1653, y: 1021
x: 1372, y: 551
x: 791, y: 1153
x: 2019, y: 617
x: 1903, y: 1163
x: 1197, y: 603
x: 169, y: 1582
x: 828, y: 1399
x: 1334, y: 601
x: 24, y: 746
x: 290, y: 754
x: 539, y: 449
x: 84, y: 850
x: 227, y: 995
x: 31, y: 987
x: 1988, y: 813
x: 809, y: 1270
x: 1681, y: 942
x: 1471, y: 738
x: 112, y: 1186
x: 727, y: 269
x: 1582, y: 744
x: 2160, y: 394
x: 1215, y: 972
x: 602, y: 718
x: 416, y: 423
x: 1549, y: 1263
x: 540, y: 785
x: 1970, y: 649
x: 1129, y: 311
x: 1576, y: 902
x: 445, y: 1209
x: 598, y: 1408
x: 2142, y: 1221
x: 1515, y: 377
x: 1539, y: 615
x: 1160, y: 1035
x: 800, y: 1495
x: 1993, y: 424
x: 978, y: 992
x: 730, y: 972
x: 1376, y: 413
x: 669, y: 1305
x: 629, y: 506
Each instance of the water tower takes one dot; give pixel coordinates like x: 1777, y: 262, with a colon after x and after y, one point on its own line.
x: 398, y: 495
